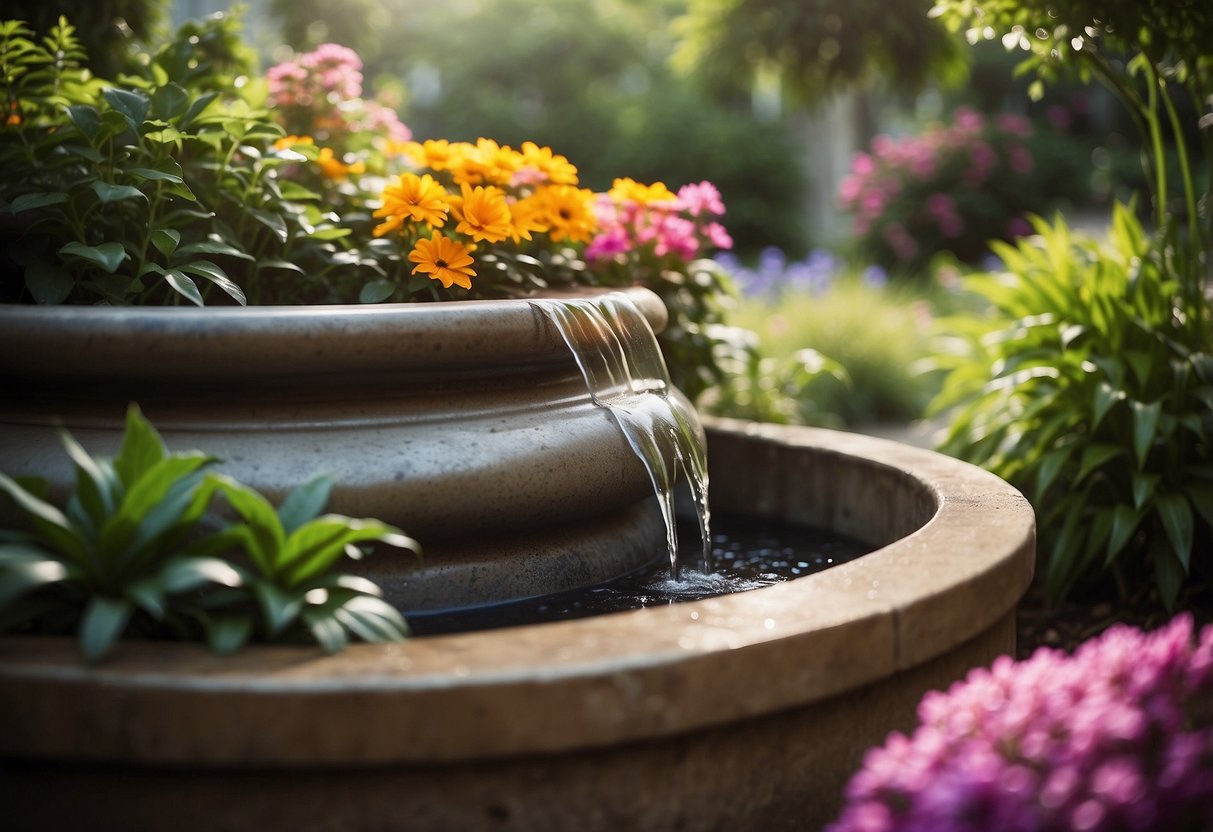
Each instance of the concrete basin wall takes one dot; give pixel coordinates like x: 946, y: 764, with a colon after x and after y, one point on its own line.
x: 742, y: 712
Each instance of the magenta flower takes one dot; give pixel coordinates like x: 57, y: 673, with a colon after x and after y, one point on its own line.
x: 1118, y: 736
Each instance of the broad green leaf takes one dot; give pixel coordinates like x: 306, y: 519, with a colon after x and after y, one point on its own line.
x: 372, y: 619
x: 153, y: 175
x: 313, y: 548
x: 161, y: 529
x: 197, y: 106
x: 103, y: 622
x: 24, y: 568
x: 107, y: 192
x: 97, y: 485
x: 213, y: 247
x: 1177, y: 521
x: 1049, y: 467
x: 1105, y: 398
x: 1201, y: 496
x: 1169, y: 574
x: 189, y: 573
x: 305, y: 503
x: 48, y: 283
x: 108, y: 256
x: 1143, y: 487
x: 86, y: 119
x: 279, y: 608
x: 330, y: 233
x: 153, y: 502
x: 49, y: 523
x: 326, y: 629
x: 1145, y: 423
x: 28, y: 202
x: 142, y: 448
x: 1095, y: 455
x: 166, y: 240
x: 183, y: 285
x: 209, y: 271
x: 228, y: 633
x: 131, y: 104
x: 170, y: 101
x: 273, y: 222
x: 376, y: 291
x: 148, y: 595
x: 284, y: 265
x: 267, y: 540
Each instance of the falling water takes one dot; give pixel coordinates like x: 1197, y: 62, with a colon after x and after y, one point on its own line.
x: 625, y: 373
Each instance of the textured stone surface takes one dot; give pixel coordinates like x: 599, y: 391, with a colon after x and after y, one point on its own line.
x: 741, y: 712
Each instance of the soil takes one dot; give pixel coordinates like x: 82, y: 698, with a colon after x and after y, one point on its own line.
x: 1072, y: 622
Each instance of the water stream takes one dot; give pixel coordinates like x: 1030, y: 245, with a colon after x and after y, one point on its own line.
x: 618, y: 355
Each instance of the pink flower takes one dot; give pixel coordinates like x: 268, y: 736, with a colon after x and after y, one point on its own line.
x: 702, y: 198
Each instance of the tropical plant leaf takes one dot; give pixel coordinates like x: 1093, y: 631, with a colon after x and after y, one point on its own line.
x: 1177, y: 521
x: 108, y: 192
x: 305, y: 503
x: 108, y: 256
x: 103, y: 622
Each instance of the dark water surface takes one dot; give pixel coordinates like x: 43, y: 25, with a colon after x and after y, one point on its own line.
x: 748, y: 553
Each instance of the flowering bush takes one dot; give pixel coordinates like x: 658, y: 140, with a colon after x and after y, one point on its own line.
x: 952, y: 187
x: 1118, y: 736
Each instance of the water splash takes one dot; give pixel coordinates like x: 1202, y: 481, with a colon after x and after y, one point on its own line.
x: 621, y: 362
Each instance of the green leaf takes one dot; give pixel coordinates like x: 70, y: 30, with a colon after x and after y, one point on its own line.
x: 97, y: 485
x: 50, y: 523
x: 1177, y: 521
x: 170, y: 101
x: 197, y: 106
x: 154, y: 502
x: 314, y: 547
x: 86, y: 119
x: 376, y: 291
x: 142, y: 448
x: 189, y: 573
x: 1169, y: 574
x: 166, y: 240
x: 1143, y: 487
x: 209, y: 271
x: 108, y: 256
x: 48, y: 283
x: 372, y: 619
x: 1049, y: 467
x: 284, y: 265
x: 267, y: 539
x: 330, y: 233
x: 103, y: 622
x: 305, y: 502
x: 1095, y: 455
x: 1145, y: 425
x: 28, y: 202
x: 24, y: 568
x: 228, y: 633
x: 1201, y: 497
x: 326, y: 629
x: 273, y: 222
x: 108, y: 193
x: 1105, y: 398
x: 213, y: 247
x: 279, y: 608
x: 183, y: 286
x: 153, y: 175
x: 131, y: 104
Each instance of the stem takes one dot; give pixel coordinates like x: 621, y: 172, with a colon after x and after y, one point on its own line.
x: 1160, y: 158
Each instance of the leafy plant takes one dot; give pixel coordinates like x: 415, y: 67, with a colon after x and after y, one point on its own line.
x: 130, y: 552
x: 1091, y: 388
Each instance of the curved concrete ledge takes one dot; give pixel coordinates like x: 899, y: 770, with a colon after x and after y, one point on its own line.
x: 747, y: 710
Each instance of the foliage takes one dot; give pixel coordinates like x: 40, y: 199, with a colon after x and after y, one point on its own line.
x: 820, y: 45
x: 873, y: 330
x: 953, y: 187
x: 109, y: 30
x: 1118, y: 736
x: 129, y: 553
x: 1091, y: 388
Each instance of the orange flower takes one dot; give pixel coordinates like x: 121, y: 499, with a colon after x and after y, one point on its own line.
x: 435, y: 154
x: 443, y: 260
x: 527, y: 215
x: 483, y: 214
x: 290, y: 141
x: 569, y: 212
x: 334, y: 168
x: 552, y: 166
x: 415, y: 198
x: 625, y: 189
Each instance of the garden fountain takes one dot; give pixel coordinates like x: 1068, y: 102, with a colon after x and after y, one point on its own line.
x: 744, y: 711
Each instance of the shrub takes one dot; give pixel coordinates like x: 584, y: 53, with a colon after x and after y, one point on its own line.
x: 952, y: 187
x: 1118, y: 736
x: 1090, y: 387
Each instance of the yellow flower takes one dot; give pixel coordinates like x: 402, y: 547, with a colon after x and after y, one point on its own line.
x: 443, y: 260
x: 435, y: 154
x: 569, y: 212
x: 334, y: 168
x: 624, y: 190
x: 291, y: 141
x: 527, y: 215
x: 483, y: 214
x: 486, y: 162
x: 415, y: 198
x: 555, y: 168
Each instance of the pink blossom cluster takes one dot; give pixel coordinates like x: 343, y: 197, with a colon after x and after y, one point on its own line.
x: 1118, y: 736
x: 320, y: 94
x: 682, y: 227
x: 884, y: 188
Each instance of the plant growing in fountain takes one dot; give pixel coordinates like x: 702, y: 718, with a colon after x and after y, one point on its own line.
x: 129, y: 553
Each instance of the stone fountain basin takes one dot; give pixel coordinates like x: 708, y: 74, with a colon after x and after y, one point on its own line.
x: 747, y: 711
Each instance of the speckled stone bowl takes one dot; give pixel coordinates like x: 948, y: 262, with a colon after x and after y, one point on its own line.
x: 467, y: 424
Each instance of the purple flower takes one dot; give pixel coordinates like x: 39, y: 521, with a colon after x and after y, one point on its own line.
x: 1118, y: 736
